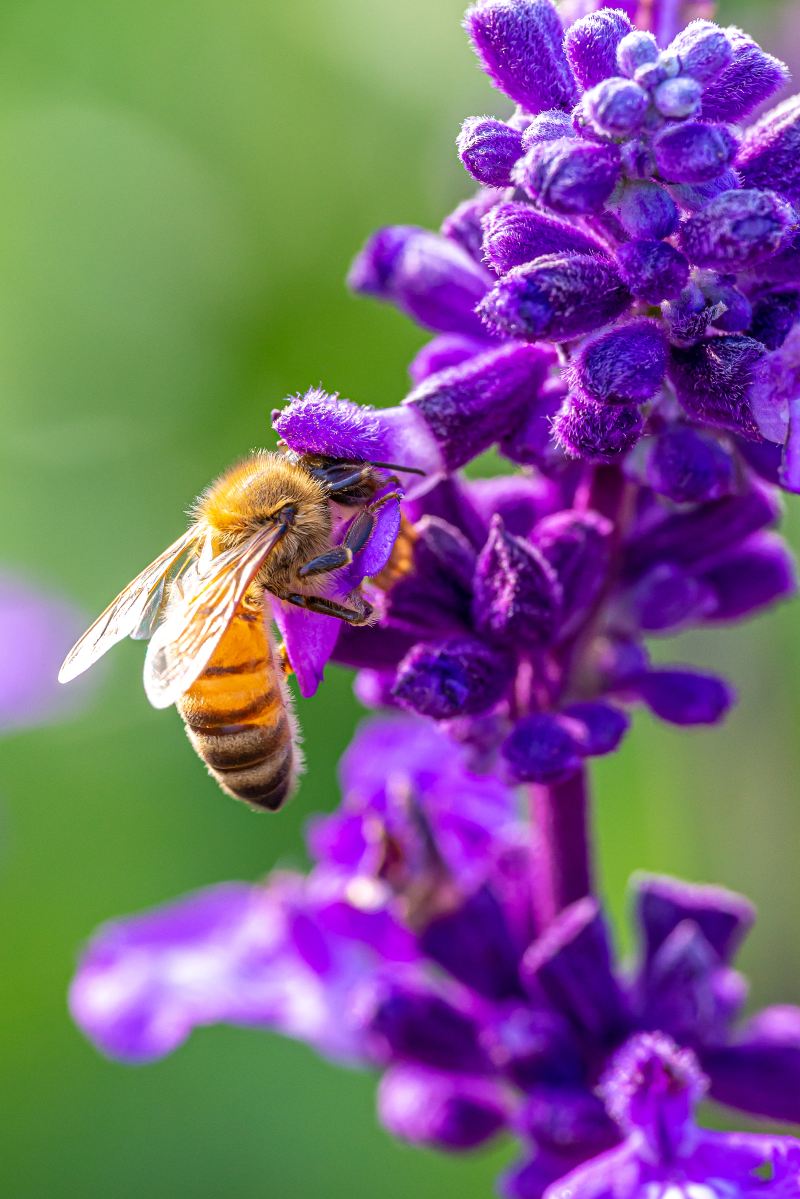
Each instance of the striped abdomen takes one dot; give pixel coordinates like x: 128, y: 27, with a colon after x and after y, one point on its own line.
x: 239, y: 719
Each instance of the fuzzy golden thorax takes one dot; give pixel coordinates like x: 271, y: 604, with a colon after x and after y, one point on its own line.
x: 251, y: 494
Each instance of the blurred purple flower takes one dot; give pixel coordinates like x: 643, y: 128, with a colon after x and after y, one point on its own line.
x: 36, y: 629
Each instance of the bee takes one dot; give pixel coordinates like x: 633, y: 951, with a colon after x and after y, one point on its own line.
x: 265, y: 527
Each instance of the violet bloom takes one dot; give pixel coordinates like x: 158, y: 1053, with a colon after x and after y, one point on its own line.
x: 446, y: 969
x: 650, y: 1091
x: 35, y: 630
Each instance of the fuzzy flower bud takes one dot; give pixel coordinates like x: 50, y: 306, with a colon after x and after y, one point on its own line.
x: 689, y: 467
x: 770, y: 156
x: 738, y: 230
x: 704, y: 50
x: 488, y: 149
x: 622, y: 365
x: 516, y: 233
x: 653, y: 270
x: 714, y: 380
x: 556, y: 297
x: 542, y: 749
x: 517, y: 598
x: 519, y: 45
x: 597, y: 432
x: 428, y: 276
x: 568, y: 175
x: 694, y: 151
x: 750, y: 78
x: 636, y: 49
x: 685, y: 697
x: 616, y: 106
x: 592, y: 42
x: 678, y: 98
x: 647, y: 210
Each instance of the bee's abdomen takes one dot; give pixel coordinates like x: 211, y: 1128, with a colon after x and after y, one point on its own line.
x: 238, y: 717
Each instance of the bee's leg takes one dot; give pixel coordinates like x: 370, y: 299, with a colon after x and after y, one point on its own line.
x: 283, y: 659
x: 329, y: 607
x: 356, y: 537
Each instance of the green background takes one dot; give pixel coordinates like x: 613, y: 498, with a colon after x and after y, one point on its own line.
x: 183, y: 184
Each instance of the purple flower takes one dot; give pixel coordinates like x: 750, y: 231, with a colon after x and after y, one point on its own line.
x: 650, y: 1091
x: 36, y: 629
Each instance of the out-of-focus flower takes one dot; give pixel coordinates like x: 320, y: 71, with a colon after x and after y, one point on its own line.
x: 36, y: 628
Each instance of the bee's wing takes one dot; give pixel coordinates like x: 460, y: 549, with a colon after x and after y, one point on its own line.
x: 209, y: 594
x: 127, y: 615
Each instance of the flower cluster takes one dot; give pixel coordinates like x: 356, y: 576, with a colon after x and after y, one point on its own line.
x: 418, y: 945
x: 617, y: 311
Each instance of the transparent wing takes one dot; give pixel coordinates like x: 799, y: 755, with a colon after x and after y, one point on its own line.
x: 131, y: 613
x: 209, y: 594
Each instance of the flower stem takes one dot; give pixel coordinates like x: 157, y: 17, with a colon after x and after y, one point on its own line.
x: 562, y: 858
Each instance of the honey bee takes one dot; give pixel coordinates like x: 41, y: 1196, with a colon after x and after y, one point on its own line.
x: 265, y: 526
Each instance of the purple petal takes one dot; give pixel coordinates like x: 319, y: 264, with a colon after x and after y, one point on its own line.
x: 596, y: 432
x: 756, y: 575
x: 714, y: 381
x: 760, y: 1072
x: 473, y: 943
x: 602, y: 726
x: 662, y: 903
x: 570, y: 965
x: 455, y: 677
x: 309, y: 640
x: 689, y: 467
x: 407, y: 1025
x: 444, y: 352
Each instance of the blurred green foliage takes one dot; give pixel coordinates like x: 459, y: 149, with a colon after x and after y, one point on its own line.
x: 183, y: 184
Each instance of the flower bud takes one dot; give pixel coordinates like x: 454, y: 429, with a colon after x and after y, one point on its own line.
x: 685, y: 697
x: 440, y: 1110
x: 517, y: 233
x: 754, y: 576
x: 616, y: 106
x: 626, y: 364
x: 678, y: 98
x: 419, y: 1026
x: 577, y: 545
x: 426, y: 275
x: 470, y: 407
x: 646, y: 210
x: 738, y: 230
x: 751, y: 77
x: 542, y: 749
x: 689, y: 467
x: 591, y: 45
x: 774, y: 316
x: 556, y: 297
x: 602, y: 726
x: 459, y: 676
x: 463, y: 224
x: 770, y: 155
x: 652, y: 270
x: 568, y: 175
x: 597, y: 432
x: 666, y: 599
x: 713, y: 381
x: 519, y: 45
x: 636, y: 49
x: 694, y: 151
x: 548, y: 127
x: 517, y: 598
x: 442, y: 353
x: 488, y: 149
x: 704, y: 50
